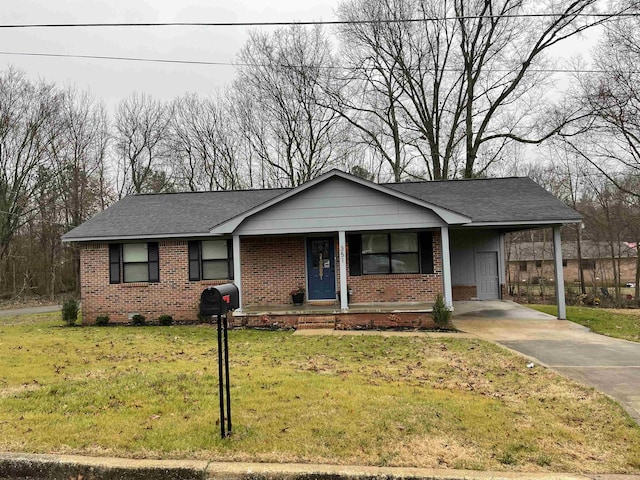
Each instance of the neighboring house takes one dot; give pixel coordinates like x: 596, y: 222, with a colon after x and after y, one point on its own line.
x: 532, y: 262
x: 393, y: 245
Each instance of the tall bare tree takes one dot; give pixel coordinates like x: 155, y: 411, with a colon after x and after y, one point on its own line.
x: 26, y: 111
x: 79, y: 186
x: 610, y: 139
x: 204, y: 145
x: 281, y: 80
x: 140, y: 140
x: 467, y: 69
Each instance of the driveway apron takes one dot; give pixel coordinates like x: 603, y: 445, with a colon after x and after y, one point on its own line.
x: 609, y: 365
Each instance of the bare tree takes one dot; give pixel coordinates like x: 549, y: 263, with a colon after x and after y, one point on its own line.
x: 281, y: 82
x: 78, y: 155
x: 467, y: 71
x: 410, y: 90
x: 140, y: 140
x: 610, y: 138
x: 26, y: 110
x: 78, y: 163
x: 203, y: 145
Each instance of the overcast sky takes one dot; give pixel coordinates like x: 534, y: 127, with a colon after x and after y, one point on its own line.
x: 112, y: 80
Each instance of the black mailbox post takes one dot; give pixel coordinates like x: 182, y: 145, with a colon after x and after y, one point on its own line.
x: 218, y: 300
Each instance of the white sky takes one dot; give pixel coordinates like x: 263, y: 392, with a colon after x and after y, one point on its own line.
x: 111, y: 80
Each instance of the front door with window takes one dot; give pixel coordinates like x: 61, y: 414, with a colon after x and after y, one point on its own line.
x: 321, y: 271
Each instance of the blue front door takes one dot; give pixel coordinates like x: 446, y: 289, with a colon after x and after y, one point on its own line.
x: 321, y: 269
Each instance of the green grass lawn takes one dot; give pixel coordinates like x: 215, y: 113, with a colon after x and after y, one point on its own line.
x: 406, y: 401
x: 616, y: 323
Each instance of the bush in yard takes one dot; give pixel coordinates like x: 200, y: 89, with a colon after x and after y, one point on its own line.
x: 102, y: 320
x: 165, y: 320
x: 70, y: 309
x: 441, y: 314
x: 138, y: 320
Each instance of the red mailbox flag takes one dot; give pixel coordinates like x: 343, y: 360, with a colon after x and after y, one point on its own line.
x: 226, y: 298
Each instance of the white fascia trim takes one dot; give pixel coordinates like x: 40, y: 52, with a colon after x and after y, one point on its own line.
x: 138, y: 237
x: 516, y: 224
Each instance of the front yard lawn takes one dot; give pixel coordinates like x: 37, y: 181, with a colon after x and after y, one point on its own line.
x: 406, y: 401
x: 618, y: 323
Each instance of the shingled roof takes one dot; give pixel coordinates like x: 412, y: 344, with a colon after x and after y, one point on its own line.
x: 501, y: 201
x: 169, y: 214
x: 493, y: 200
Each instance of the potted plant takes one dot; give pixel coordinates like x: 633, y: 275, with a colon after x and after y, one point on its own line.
x: 297, y: 295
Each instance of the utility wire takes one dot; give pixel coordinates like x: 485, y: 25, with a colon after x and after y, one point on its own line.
x: 126, y: 59
x: 314, y: 22
x: 230, y: 64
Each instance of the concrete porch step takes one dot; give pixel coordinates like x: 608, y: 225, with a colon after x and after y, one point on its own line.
x: 319, y: 321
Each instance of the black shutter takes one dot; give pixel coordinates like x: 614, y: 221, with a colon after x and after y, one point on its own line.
x: 114, y: 263
x: 230, y: 259
x: 426, y: 252
x: 194, y: 261
x: 355, y: 255
x: 154, y: 262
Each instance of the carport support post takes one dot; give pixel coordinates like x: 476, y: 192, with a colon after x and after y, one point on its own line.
x: 559, y: 274
x: 446, y: 267
x: 344, y: 294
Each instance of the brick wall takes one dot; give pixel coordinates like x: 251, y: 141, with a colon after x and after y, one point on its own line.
x: 271, y: 268
x: 174, y: 295
x: 464, y: 292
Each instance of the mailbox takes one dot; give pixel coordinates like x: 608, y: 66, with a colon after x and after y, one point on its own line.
x: 219, y: 299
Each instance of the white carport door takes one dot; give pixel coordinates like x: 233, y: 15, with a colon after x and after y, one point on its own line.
x: 487, y: 271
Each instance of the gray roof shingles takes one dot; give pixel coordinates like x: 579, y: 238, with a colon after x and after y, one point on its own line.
x: 170, y: 214
x: 502, y: 200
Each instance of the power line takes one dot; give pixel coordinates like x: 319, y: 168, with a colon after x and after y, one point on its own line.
x: 230, y: 64
x: 313, y: 22
x: 125, y: 59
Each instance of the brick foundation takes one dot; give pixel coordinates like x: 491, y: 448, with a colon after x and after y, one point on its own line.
x: 340, y: 321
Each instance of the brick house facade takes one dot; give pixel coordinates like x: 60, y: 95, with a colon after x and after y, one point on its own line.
x: 272, y: 266
x: 388, y: 245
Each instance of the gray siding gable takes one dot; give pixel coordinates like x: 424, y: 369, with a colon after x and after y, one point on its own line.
x: 338, y: 204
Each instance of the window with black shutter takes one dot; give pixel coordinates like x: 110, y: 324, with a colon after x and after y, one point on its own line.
x: 134, y: 262
x: 390, y: 253
x: 140, y: 262
x: 211, y: 260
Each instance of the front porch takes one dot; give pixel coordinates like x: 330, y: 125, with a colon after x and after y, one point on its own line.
x: 359, y: 316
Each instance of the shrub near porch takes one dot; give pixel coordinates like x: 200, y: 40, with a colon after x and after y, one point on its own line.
x: 411, y: 401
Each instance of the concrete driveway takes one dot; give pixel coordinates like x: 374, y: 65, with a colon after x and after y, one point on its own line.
x: 609, y: 365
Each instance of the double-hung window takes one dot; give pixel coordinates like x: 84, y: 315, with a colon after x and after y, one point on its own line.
x: 134, y: 262
x: 390, y: 253
x: 211, y: 260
